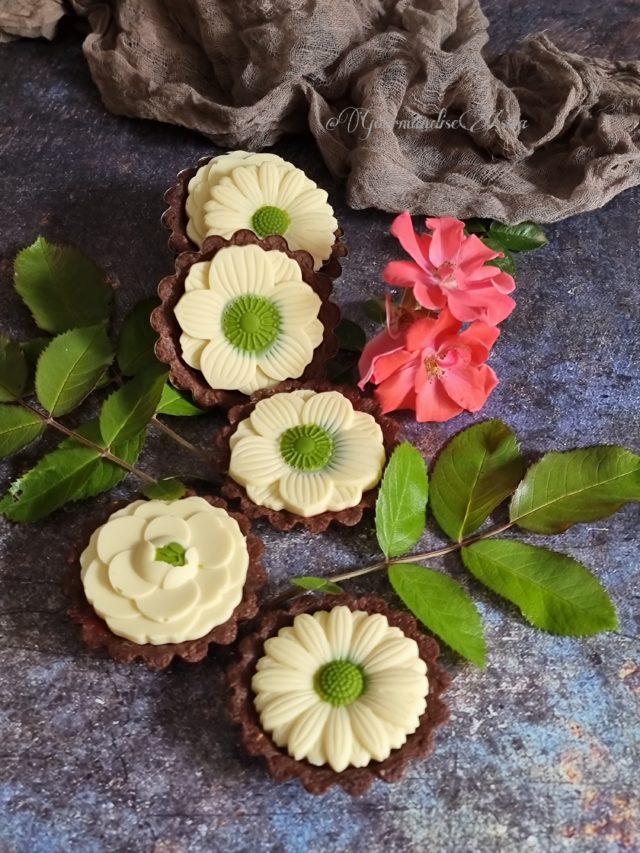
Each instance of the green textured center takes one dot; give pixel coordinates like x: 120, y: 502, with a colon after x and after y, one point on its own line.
x: 251, y: 323
x: 173, y: 553
x: 339, y: 682
x: 270, y: 220
x: 307, y: 448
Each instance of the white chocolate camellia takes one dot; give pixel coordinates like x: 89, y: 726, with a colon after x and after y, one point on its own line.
x: 266, y: 195
x: 340, y: 688
x: 248, y: 319
x: 307, y: 452
x: 165, y: 572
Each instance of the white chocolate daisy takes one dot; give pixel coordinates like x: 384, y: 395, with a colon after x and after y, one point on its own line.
x: 307, y: 452
x: 248, y: 319
x: 207, y: 177
x: 265, y: 194
x: 340, y: 688
x: 165, y: 572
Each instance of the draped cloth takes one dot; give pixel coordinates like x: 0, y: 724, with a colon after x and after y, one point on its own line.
x: 399, y: 96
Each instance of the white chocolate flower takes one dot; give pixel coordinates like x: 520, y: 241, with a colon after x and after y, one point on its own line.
x: 165, y: 572
x: 307, y: 452
x: 265, y: 194
x: 340, y: 688
x: 207, y: 177
x: 248, y: 319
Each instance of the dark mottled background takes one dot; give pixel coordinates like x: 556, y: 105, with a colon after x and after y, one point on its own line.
x: 542, y: 750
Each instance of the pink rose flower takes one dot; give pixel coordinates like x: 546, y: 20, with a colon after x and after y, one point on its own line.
x: 451, y: 269
x: 435, y: 369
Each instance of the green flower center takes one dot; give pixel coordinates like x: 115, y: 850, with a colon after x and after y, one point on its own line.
x: 269, y: 220
x: 172, y: 553
x: 339, y: 682
x: 307, y: 448
x: 251, y: 323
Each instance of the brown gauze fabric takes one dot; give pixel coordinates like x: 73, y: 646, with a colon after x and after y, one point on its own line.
x: 541, y: 134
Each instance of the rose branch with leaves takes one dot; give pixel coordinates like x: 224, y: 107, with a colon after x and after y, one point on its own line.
x: 44, y: 379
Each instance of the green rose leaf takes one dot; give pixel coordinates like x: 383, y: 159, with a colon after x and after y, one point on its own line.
x: 137, y: 339
x: 61, y: 287
x: 519, y: 238
x: 351, y: 336
x: 318, y: 585
x: 14, y: 370
x: 506, y: 264
x: 375, y: 310
x: 105, y: 475
x: 169, y: 489
x: 476, y: 471
x: 129, y: 409
x: 443, y: 606
x: 71, y: 366
x: 18, y: 428
x: 176, y: 403
x: 402, y: 502
x: 573, y: 486
x: 57, y: 478
x: 553, y: 591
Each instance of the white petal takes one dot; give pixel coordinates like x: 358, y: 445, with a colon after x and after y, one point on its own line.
x: 177, y: 575
x: 288, y: 356
x: 198, y: 313
x: 274, y: 415
x: 357, y: 460
x: 391, y: 654
x: 329, y: 409
x: 265, y: 495
x: 293, y: 185
x: 237, y: 270
x: 289, y: 653
x: 396, y: 681
x: 119, y: 534
x: 390, y: 708
x: 280, y: 679
x: 339, y: 630
x: 269, y: 176
x: 226, y: 196
x: 182, y: 508
x: 191, y: 350
x: 308, y: 730
x: 223, y: 222
x: 99, y: 593
x: 213, y: 540
x: 279, y: 710
x: 142, y: 630
x: 308, y: 631
x: 246, y: 180
x: 167, y: 528
x: 304, y: 493
x: 367, y: 634
x: 338, y: 739
x: 197, y: 277
x: 284, y: 268
x: 226, y: 368
x: 344, y: 496
x: 297, y: 302
x: 164, y: 605
x: 124, y: 577
x: 256, y: 460
x: 213, y: 583
x: 369, y: 730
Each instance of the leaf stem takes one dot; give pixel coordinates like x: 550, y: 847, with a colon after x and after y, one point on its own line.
x: 422, y: 555
x: 104, y: 452
x: 174, y: 436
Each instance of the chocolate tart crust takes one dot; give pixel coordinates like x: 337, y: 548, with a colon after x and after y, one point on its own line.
x: 172, y: 287
x: 96, y: 634
x: 317, y: 780
x: 284, y: 520
x: 174, y: 219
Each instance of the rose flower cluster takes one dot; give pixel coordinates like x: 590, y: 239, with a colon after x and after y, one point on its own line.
x: 431, y: 357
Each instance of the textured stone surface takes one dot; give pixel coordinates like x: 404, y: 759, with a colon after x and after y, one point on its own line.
x: 541, y: 753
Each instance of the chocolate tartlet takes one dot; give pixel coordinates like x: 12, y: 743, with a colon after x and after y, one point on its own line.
x: 96, y: 633
x: 282, y: 519
x: 175, y: 219
x: 318, y: 779
x: 172, y: 288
